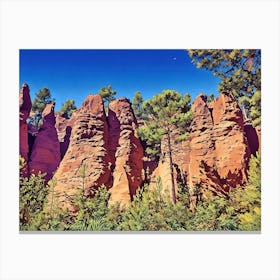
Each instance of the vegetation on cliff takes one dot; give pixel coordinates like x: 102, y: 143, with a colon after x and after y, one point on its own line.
x: 156, y: 165
x: 240, y: 73
x: 150, y: 210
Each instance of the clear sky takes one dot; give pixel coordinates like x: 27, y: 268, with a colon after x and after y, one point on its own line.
x: 73, y: 74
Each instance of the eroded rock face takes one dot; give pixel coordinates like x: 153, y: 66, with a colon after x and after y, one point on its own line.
x: 24, y: 111
x: 125, y: 150
x: 45, y: 155
x: 219, y: 150
x: 64, y: 128
x: 253, y: 137
x: 86, y: 162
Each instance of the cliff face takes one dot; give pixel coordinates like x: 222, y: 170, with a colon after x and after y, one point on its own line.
x: 126, y: 151
x: 107, y: 151
x: 24, y: 110
x: 90, y: 149
x: 218, y: 148
x: 85, y: 165
x: 45, y: 155
x: 64, y: 128
x: 216, y: 154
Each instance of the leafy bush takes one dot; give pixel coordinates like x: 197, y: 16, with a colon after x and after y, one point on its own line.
x: 32, y: 195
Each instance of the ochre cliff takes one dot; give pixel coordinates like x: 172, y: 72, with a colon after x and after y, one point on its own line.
x: 45, y: 155
x: 216, y: 154
x: 85, y: 165
x: 92, y: 149
x: 219, y: 151
x: 126, y: 151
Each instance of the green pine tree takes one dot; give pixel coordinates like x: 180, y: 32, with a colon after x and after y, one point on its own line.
x: 137, y: 104
x: 108, y: 94
x: 68, y: 108
x: 166, y: 112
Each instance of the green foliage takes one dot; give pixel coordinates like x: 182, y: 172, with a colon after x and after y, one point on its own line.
x: 240, y: 73
x: 43, y: 97
x: 151, y: 135
x: 238, y: 69
x: 137, y: 104
x: 247, y: 201
x: 107, y: 94
x: 210, y: 97
x: 93, y: 211
x: 34, y: 211
x: 68, y: 108
x: 169, y: 108
x: 255, y: 109
x: 165, y: 111
x: 212, y: 214
x: 152, y: 210
x: 32, y: 195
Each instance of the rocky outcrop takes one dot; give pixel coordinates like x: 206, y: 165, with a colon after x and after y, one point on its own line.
x: 45, y: 155
x: 219, y: 150
x: 64, y: 128
x: 90, y: 149
x: 253, y: 137
x: 24, y: 110
x: 125, y: 150
x: 86, y: 162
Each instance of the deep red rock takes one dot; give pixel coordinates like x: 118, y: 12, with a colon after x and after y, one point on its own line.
x: 24, y: 111
x: 64, y: 128
x: 45, y: 155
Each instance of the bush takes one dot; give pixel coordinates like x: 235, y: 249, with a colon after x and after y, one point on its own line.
x: 32, y: 195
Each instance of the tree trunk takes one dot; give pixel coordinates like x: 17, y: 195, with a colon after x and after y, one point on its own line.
x: 171, y: 167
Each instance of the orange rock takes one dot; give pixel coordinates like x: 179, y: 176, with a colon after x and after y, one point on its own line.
x: 88, y: 150
x: 45, y: 155
x: 126, y: 152
x: 162, y: 173
x: 219, y: 150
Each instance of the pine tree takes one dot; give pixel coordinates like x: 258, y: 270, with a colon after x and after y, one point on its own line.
x: 68, y: 108
x: 43, y: 97
x: 108, y: 94
x: 240, y: 73
x: 137, y: 104
x: 167, y: 111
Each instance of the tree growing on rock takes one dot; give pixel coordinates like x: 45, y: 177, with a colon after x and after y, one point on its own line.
x: 240, y: 73
x: 68, y: 108
x: 43, y: 97
x: 167, y: 112
x: 137, y: 104
x: 108, y: 94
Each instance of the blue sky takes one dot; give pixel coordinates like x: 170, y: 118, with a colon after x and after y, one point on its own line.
x: 73, y: 74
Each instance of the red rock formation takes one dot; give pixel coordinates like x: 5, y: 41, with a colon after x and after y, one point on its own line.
x: 88, y: 150
x: 219, y: 151
x: 45, y: 156
x: 126, y: 151
x: 64, y: 128
x: 215, y: 156
x: 24, y: 108
x: 253, y: 138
